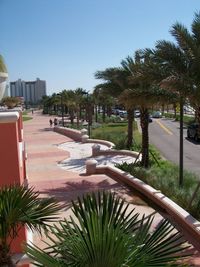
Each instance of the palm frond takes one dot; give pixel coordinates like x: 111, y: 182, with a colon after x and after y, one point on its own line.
x: 196, y: 28
x: 105, y: 232
x: 184, y: 39
x: 20, y: 206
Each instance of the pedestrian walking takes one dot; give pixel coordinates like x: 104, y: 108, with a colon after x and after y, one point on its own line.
x: 50, y: 122
x: 55, y: 122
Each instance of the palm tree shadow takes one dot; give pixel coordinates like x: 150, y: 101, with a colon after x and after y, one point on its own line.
x: 73, y: 164
x: 71, y: 190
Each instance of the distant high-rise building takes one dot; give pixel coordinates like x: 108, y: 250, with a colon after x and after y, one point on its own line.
x: 31, y: 91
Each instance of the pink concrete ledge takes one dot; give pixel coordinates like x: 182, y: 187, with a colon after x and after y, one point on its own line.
x: 72, y: 133
x: 185, y: 222
x: 102, y: 142
x: 113, y: 152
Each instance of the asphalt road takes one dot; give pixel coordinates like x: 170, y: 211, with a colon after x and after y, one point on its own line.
x: 164, y: 134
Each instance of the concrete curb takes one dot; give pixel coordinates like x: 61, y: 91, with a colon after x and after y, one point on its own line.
x: 183, y: 221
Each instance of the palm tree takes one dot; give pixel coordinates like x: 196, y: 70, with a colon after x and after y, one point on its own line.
x: 105, y: 232
x: 68, y: 97
x: 102, y: 97
x: 11, y: 101
x: 21, y: 207
x: 79, y: 94
x: 181, y: 60
x: 142, y: 92
x: 116, y: 83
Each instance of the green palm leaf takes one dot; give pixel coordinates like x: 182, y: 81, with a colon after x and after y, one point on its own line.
x: 105, y: 232
x: 20, y: 206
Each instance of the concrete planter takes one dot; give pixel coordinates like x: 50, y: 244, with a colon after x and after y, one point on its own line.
x: 3, y: 78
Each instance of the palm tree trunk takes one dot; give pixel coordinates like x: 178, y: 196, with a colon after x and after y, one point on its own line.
x: 78, y: 114
x: 104, y: 113
x: 71, y: 116
x: 163, y: 109
x: 198, y: 118
x: 130, y: 117
x: 144, y: 120
x: 90, y: 114
x: 109, y: 111
x: 5, y: 259
x: 96, y: 114
x: 175, y: 111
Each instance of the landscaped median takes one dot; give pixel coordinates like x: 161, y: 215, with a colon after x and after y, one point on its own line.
x: 81, y: 136
x: 185, y: 222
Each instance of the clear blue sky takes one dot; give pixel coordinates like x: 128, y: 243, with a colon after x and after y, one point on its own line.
x: 66, y: 41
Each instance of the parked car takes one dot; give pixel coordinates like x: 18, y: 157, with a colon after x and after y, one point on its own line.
x: 150, y: 118
x: 122, y: 113
x: 157, y: 114
x: 137, y: 113
x: 192, y: 131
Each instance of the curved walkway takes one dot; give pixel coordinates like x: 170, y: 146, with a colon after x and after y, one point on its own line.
x: 44, y: 170
x: 50, y: 179
x: 80, y: 152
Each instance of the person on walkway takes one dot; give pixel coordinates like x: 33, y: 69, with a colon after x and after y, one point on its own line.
x: 50, y: 122
x: 55, y: 122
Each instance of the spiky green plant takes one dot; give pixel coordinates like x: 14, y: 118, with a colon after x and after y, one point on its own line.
x: 104, y: 231
x: 18, y: 207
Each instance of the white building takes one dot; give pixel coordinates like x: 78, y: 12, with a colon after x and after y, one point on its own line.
x: 31, y: 91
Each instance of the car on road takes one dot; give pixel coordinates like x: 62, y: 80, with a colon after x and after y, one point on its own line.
x: 150, y: 118
x: 136, y: 113
x: 192, y: 132
x: 156, y: 114
x: 122, y: 113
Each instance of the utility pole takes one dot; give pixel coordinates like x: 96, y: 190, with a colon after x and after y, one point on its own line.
x: 181, y: 144
x: 62, y: 108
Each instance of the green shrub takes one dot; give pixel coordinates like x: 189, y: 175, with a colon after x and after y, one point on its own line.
x: 26, y: 118
x: 165, y: 178
x: 186, y: 119
x: 113, y: 132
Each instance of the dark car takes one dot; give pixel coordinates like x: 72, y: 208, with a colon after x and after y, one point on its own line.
x: 150, y: 118
x: 192, y: 131
x: 136, y: 113
x: 157, y: 114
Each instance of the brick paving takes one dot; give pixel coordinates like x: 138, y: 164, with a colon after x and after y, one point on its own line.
x: 50, y: 180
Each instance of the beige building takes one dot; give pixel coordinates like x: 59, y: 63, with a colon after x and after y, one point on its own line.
x: 31, y: 91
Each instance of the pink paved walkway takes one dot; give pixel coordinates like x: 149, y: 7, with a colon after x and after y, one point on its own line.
x: 43, y: 156
x: 45, y: 175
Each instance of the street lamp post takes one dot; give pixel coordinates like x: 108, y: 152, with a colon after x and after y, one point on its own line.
x: 62, y: 108
x: 88, y: 114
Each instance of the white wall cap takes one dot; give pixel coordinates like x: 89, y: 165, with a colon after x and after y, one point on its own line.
x: 8, y: 117
x: 4, y: 74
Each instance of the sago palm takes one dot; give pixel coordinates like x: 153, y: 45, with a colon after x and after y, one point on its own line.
x: 104, y: 231
x: 22, y: 207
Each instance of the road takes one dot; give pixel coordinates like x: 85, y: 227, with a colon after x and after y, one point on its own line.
x: 164, y: 134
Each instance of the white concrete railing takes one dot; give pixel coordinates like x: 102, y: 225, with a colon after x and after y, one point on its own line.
x: 183, y: 221
x: 100, y: 141
x: 72, y: 133
x: 96, y: 151
x: 81, y: 136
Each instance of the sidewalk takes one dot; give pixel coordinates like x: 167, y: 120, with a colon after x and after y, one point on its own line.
x: 47, y: 177
x: 44, y: 156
